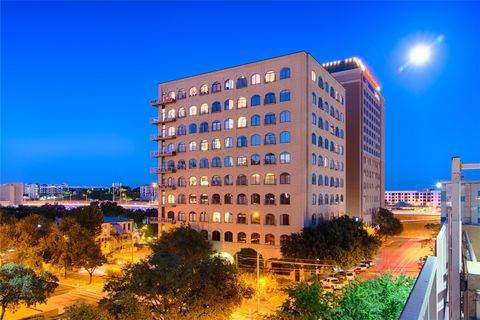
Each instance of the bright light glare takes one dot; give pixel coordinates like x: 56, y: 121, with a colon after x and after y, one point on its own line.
x: 438, y: 185
x: 420, y: 54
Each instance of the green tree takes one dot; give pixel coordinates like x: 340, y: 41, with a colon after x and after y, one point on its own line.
x: 389, y: 225
x: 19, y: 284
x: 89, y: 255
x: 182, y: 279
x: 341, y: 241
x: 89, y: 217
x: 83, y: 311
x: 378, y: 298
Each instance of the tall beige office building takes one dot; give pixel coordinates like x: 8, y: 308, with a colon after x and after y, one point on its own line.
x: 365, y: 138
x: 252, y: 153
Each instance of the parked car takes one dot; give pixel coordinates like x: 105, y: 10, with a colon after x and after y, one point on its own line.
x: 364, y: 266
x: 345, y: 275
x: 332, y: 283
x: 369, y: 263
x: 357, y: 270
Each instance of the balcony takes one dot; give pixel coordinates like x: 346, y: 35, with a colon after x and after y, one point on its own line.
x: 166, y: 100
x: 158, y: 137
x: 158, y: 154
x: 157, y: 121
x: 164, y: 204
x: 162, y: 170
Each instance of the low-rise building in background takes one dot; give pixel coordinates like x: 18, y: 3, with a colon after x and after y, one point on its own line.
x: 415, y: 198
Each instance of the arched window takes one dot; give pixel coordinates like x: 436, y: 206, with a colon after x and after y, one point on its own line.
x: 269, y: 199
x: 242, y: 180
x: 270, y: 219
x: 216, y: 125
x: 228, y: 105
x: 228, y: 236
x: 255, y: 100
x: 325, y: 143
x: 255, y: 179
x: 320, y: 199
x: 270, y: 158
x: 241, y: 82
x: 241, y: 237
x: 285, y: 198
x: 216, y: 181
x: 181, y: 130
x: 228, y: 217
x: 285, y: 137
x: 170, y: 148
x: 204, y: 108
x: 192, y: 92
x: 270, y: 98
x: 269, y: 139
x: 326, y: 199
x: 204, y: 145
x: 332, y: 92
x: 255, y: 198
x: 182, y: 113
x: 284, y: 219
x: 204, y: 197
x: 192, y: 164
x: 314, y: 219
x: 204, y: 182
x: 255, y: 238
x: 242, y: 122
x: 255, y: 140
x: 255, y: 79
x: 320, y: 82
x: 192, y: 181
x: 314, y: 158
x: 284, y: 95
x: 192, y: 111
x: 216, y: 217
x: 171, y: 114
x: 241, y: 141
x: 216, y: 198
x: 228, y: 180
x: 242, y: 218
x: 192, y: 199
x: 182, y: 182
x: 314, y: 76
x: 320, y: 180
x: 285, y: 157
x: 255, y: 120
x: 216, y: 235
x: 314, y: 179
x: 203, y: 89
x: 181, y: 147
x: 204, y: 127
x: 182, y: 216
x: 182, y: 94
x: 216, y: 162
x: 270, y: 76
x: 216, y: 87
x: 320, y: 103
x: 228, y: 84
x: 255, y: 160
x: 204, y: 234
x: 320, y: 141
x: 255, y: 218
x: 204, y: 163
x: 314, y: 98
x: 228, y: 199
x: 270, y: 239
x: 228, y: 124
x: 241, y: 161
x: 320, y: 122
x: 284, y: 178
x: 241, y: 103
x: 216, y: 107
x: 314, y: 139
x: 270, y: 118
x: 242, y: 199
x: 285, y: 116
x: 181, y: 199
x: 285, y: 73
x: 203, y: 216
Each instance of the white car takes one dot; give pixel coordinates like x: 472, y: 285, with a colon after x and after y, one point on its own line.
x: 332, y: 283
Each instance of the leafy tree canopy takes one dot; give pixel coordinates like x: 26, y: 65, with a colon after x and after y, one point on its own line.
x: 389, y: 225
x: 89, y: 217
x: 19, y: 284
x: 341, y: 241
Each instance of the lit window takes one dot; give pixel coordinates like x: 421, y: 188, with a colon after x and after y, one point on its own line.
x: 192, y: 92
x: 182, y: 113
x: 314, y: 76
x: 241, y: 161
x: 204, y: 181
x: 192, y: 181
x: 242, y: 103
x: 255, y: 218
x: 242, y: 122
x: 204, y: 145
x: 228, y: 217
x: 255, y: 179
x: 228, y: 105
x: 270, y: 76
x: 269, y: 179
x: 228, y: 84
x: 228, y: 124
x: 192, y: 146
x: 228, y: 142
x: 192, y: 111
x: 216, y: 144
x: 285, y: 116
x: 204, y: 108
x: 255, y: 79
x: 203, y: 89
x: 285, y: 157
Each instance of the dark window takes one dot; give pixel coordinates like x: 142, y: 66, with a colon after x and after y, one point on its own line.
x: 255, y: 100
x: 270, y: 98
x: 285, y: 95
x: 192, y: 128
x: 216, y: 107
x: 285, y: 73
x: 241, y: 82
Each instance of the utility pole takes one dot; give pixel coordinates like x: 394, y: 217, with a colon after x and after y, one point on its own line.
x: 258, y: 282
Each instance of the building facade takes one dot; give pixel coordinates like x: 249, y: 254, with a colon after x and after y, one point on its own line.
x: 252, y: 153
x: 52, y: 190
x: 31, y: 191
x: 148, y: 192
x: 11, y: 194
x: 416, y: 198
x: 365, y: 138
x: 469, y: 201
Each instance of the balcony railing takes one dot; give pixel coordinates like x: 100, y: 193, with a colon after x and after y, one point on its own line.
x: 157, y: 137
x: 166, y: 204
x: 157, y: 154
x: 270, y: 181
x: 165, y: 100
x: 162, y: 120
x: 162, y: 170
x: 167, y: 187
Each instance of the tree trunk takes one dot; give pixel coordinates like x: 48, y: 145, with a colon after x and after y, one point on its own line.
x: 91, y: 274
x: 65, y: 272
x: 3, y: 311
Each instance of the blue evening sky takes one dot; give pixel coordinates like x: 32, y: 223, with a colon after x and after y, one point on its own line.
x: 77, y: 77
